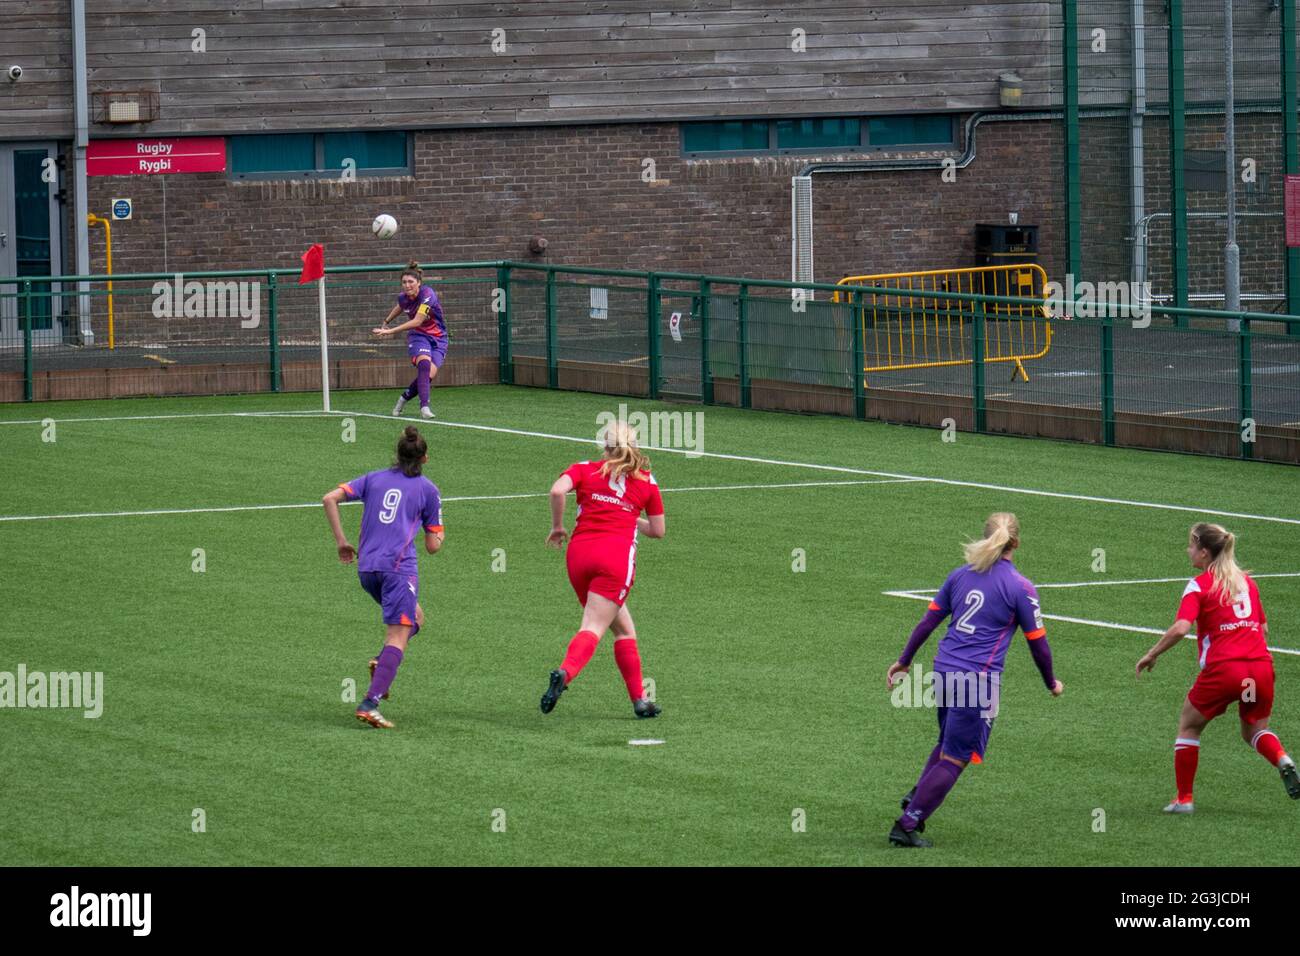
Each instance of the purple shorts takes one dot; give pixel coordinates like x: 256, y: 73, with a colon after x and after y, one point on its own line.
x: 417, y: 344
x: 395, y: 592
x: 964, y: 730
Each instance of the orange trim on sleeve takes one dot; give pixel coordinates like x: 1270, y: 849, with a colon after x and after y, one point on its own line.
x: 348, y: 488
x: 976, y: 758
x: 433, y: 527
x: 1035, y: 635
x: 406, y: 621
x: 934, y: 607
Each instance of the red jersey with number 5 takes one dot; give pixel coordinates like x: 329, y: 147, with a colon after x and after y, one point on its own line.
x: 610, y: 506
x: 1225, y: 632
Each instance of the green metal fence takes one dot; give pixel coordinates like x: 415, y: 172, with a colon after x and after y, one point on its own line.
x: 1161, y: 377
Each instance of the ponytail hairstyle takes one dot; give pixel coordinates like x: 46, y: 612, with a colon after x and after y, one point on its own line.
x: 1229, y: 579
x: 411, y: 449
x: 622, y: 456
x: 1001, y: 536
x: 413, y: 269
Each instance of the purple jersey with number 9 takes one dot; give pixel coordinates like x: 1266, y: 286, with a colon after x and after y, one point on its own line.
x: 986, y: 608
x: 395, y: 508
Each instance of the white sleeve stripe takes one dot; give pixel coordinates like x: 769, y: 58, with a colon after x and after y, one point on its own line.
x: 1192, y: 588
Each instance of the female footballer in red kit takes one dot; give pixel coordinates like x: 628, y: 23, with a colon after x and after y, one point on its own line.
x: 1222, y: 604
x: 601, y: 556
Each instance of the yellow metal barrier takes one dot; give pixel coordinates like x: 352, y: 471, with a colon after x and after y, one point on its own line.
x: 902, y: 331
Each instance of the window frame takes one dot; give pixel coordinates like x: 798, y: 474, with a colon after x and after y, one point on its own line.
x: 863, y: 146
x: 318, y: 150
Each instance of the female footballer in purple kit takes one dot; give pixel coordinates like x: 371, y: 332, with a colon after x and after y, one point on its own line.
x: 988, y: 599
x: 426, y: 335
x: 397, y: 503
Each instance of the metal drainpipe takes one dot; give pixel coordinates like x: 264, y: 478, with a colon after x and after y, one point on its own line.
x: 1231, y: 251
x: 1137, y: 157
x: 79, y: 146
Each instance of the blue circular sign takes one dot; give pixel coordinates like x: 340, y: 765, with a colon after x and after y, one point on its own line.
x: 122, y: 209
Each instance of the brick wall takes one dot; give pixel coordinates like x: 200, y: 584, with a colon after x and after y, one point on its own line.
x: 483, y: 194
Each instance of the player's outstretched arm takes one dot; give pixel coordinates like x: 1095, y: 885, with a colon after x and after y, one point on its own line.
x: 563, y: 485
x: 385, y: 330
x: 652, y: 526
x: 933, y: 617
x: 347, y: 553
x: 1180, y: 629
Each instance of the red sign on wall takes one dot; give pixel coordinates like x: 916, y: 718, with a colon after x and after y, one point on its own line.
x: 153, y: 157
x: 1292, y: 211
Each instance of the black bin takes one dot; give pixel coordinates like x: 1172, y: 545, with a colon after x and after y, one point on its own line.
x: 1001, y: 244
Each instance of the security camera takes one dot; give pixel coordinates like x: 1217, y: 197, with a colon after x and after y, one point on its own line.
x: 15, y: 73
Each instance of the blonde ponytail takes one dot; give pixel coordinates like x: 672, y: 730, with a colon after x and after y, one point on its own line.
x: 1229, y: 579
x: 622, y: 456
x: 1001, y: 534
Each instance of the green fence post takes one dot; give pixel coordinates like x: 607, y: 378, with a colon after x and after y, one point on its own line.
x: 1245, y: 397
x: 652, y: 331
x: 552, y: 346
x: 1108, y: 378
x: 1177, y: 143
x: 859, y: 376
x: 1290, y: 144
x: 272, y: 327
x: 706, y: 368
x: 742, y: 372
x: 501, y: 303
x: 977, y: 366
x: 28, y: 387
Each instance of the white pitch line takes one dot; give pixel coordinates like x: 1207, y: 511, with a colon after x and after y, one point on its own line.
x: 1094, y: 584
x: 317, y: 504
x: 841, y: 469
x: 1107, y: 625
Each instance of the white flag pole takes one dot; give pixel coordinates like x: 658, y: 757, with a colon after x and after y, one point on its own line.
x: 324, y: 347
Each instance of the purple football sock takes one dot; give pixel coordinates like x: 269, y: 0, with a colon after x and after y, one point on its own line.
x: 389, y: 658
x: 423, y: 384
x: 411, y: 390
x: 930, y: 792
x: 931, y: 761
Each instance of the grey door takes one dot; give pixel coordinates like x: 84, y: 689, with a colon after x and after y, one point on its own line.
x: 29, y: 240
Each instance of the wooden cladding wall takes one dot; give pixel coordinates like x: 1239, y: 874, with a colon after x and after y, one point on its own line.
x: 304, y: 64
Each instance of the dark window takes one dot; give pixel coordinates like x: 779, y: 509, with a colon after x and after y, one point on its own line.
x: 910, y: 131
x: 729, y: 136
x: 818, y: 133
x: 318, y: 155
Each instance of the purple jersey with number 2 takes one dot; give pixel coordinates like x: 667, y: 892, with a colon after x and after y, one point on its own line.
x: 986, y: 608
x: 395, y: 508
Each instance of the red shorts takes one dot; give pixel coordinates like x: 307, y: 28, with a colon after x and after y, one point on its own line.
x: 1247, y: 683
x: 607, y: 567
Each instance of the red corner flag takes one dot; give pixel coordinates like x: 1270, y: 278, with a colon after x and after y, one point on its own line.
x: 313, y: 264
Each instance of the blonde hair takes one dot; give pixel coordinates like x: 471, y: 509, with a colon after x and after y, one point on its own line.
x: 622, y: 456
x: 1001, y: 534
x: 1229, y: 579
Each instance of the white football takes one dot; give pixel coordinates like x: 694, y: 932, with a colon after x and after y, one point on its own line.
x: 385, y: 226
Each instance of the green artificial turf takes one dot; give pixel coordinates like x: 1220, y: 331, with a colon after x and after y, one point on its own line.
x: 224, y: 689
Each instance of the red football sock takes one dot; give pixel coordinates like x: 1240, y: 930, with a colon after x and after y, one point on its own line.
x: 1186, y: 754
x: 628, y: 659
x: 1266, y: 742
x: 580, y: 650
